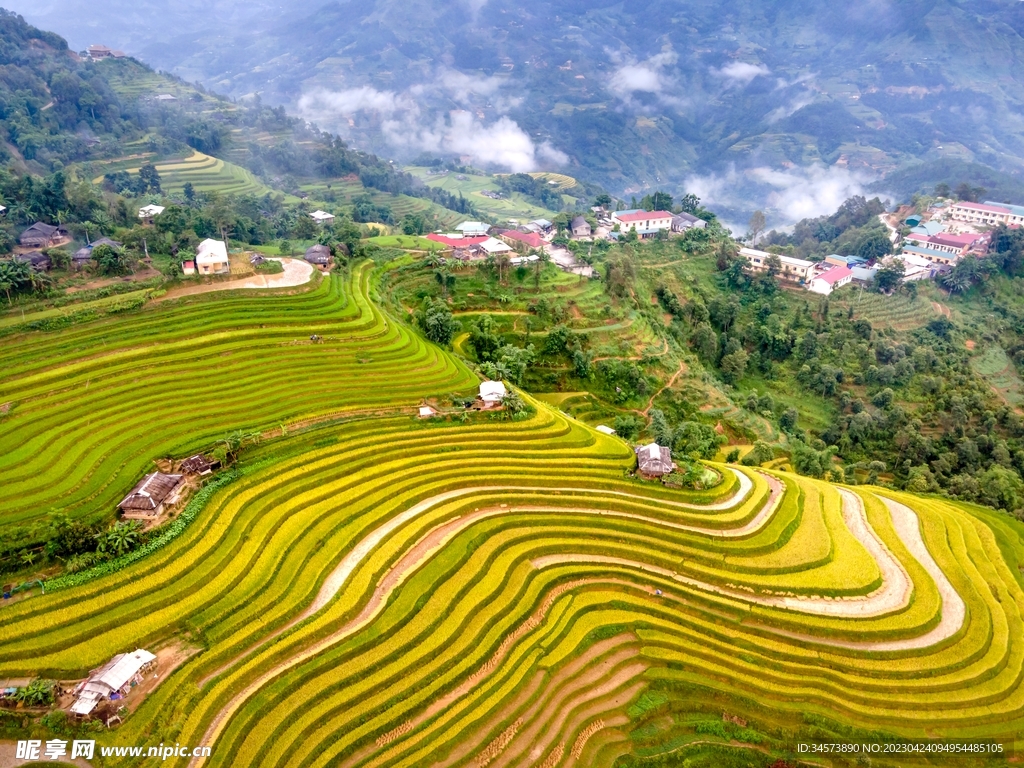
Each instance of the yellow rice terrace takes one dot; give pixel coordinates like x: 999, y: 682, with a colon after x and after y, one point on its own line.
x: 338, y: 545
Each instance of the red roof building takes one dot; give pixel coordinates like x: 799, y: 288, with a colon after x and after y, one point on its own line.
x: 522, y: 241
x: 829, y: 280
x: 630, y: 218
x: 456, y: 242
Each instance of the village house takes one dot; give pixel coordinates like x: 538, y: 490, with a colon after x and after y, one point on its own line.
x: 41, y: 235
x: 492, y: 394
x: 212, y: 258
x: 957, y: 245
x: 943, y: 257
x: 915, y: 267
x: 830, y: 280
x: 198, y: 465
x: 148, y: 498
x: 684, y: 221
x: 322, y: 217
x: 522, y: 241
x: 473, y: 228
x: 644, y: 223
x: 149, y: 212
x: 987, y: 214
x: 791, y: 268
x: 188, y: 268
x: 97, y: 52
x: 654, y: 460
x: 38, y: 260
x: 491, y: 246
x: 580, y: 227
x: 835, y: 260
x: 113, y: 681
x: 319, y: 255
x: 543, y: 225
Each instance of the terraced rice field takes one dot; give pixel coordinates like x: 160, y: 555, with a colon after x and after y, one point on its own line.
x: 205, y: 173
x: 384, y: 591
x: 91, y: 406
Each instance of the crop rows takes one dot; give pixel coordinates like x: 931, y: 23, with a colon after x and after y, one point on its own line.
x: 95, y: 404
x: 390, y: 592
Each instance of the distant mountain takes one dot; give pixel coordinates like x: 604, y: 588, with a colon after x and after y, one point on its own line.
x: 792, y: 104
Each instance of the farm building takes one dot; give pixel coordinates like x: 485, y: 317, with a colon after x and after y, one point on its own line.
x: 830, y: 280
x: 492, y: 247
x: 492, y: 393
x: 212, y: 258
x: 604, y: 429
x: 473, y: 228
x: 654, y: 460
x: 580, y: 227
x: 41, y: 235
x: 148, y: 497
x: 38, y: 260
x: 113, y: 680
x: 427, y: 412
x: 319, y: 255
x: 522, y: 241
x: 322, y: 217
x: 644, y: 223
x: 684, y: 221
x: 148, y: 212
x: 791, y: 268
x: 198, y: 465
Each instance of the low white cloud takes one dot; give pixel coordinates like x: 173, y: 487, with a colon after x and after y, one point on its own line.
x: 796, y: 104
x: 786, y: 195
x: 642, y: 76
x: 741, y: 72
x: 321, y: 102
x: 501, y: 143
x: 407, y: 126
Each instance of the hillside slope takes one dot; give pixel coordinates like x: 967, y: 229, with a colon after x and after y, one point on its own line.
x: 859, y: 89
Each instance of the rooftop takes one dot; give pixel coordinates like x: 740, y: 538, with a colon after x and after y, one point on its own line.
x: 531, y: 239
x: 835, y: 274
x: 456, y: 240
x: 643, y: 216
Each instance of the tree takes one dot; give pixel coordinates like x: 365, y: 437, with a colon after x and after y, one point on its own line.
x: 438, y: 323
x: 484, y: 339
x: 120, y: 539
x: 734, y: 365
x: 149, y: 178
x: 38, y: 693
x: 756, y: 225
x: 889, y: 277
x: 445, y: 279
x: 966, y: 193
x: 689, y: 203
x: 112, y: 260
x: 874, y: 245
x: 942, y: 190
x: 514, y: 361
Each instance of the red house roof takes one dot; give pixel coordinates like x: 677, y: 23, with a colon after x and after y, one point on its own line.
x: 956, y: 241
x: 456, y: 242
x: 644, y: 216
x: 834, y: 275
x: 984, y: 207
x: 531, y: 239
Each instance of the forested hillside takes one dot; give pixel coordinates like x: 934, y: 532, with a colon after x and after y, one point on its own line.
x: 629, y: 95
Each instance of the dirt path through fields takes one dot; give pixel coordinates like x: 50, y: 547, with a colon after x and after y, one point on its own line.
x: 296, y: 272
